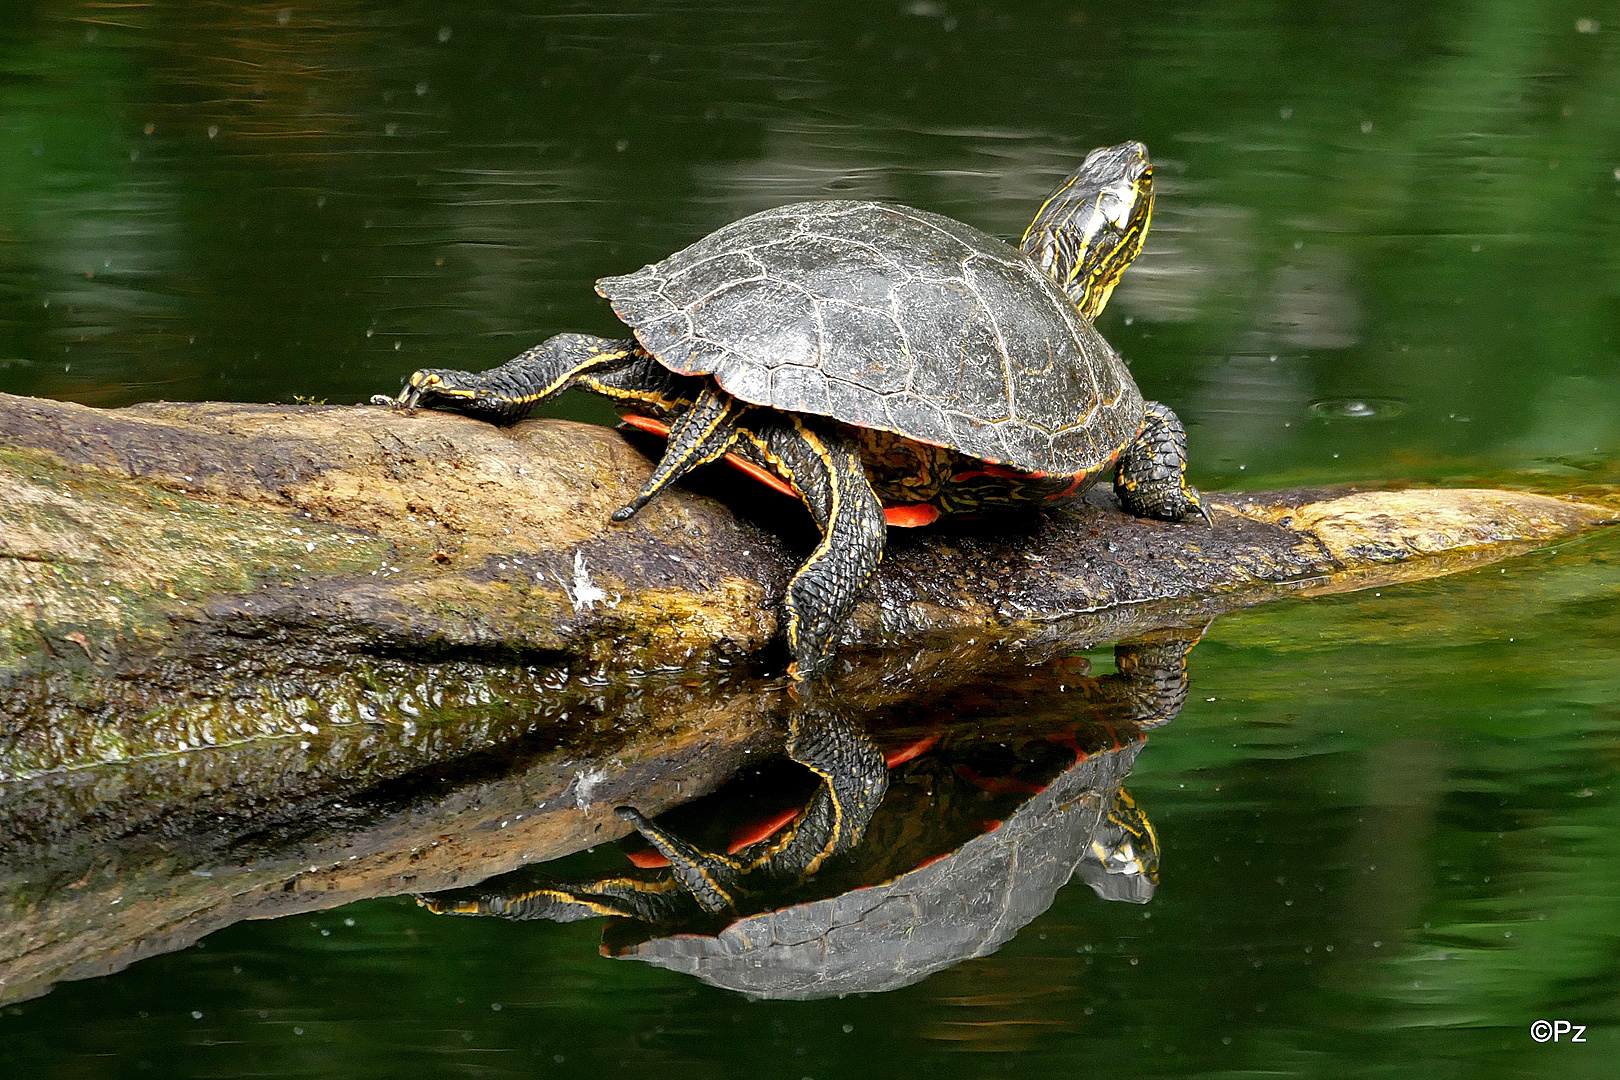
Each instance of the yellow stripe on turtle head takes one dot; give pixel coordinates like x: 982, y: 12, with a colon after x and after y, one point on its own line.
x: 1090, y: 228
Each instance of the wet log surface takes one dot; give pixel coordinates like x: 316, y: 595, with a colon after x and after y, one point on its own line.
x: 260, y: 659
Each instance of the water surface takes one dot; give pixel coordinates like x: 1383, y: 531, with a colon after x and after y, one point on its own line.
x: 1384, y: 249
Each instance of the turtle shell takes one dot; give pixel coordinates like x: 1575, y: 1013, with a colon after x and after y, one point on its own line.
x: 882, y: 937
x: 887, y: 317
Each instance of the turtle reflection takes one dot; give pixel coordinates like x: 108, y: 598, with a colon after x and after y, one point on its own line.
x: 985, y: 819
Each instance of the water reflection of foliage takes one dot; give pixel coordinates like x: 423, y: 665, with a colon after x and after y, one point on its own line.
x: 1412, y: 206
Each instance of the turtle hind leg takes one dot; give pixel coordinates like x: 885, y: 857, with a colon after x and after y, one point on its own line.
x: 1151, y: 480
x: 701, y: 434
x: 854, y: 779
x: 824, y: 466
x: 505, y: 394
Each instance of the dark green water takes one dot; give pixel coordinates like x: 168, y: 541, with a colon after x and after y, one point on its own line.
x: 1385, y: 248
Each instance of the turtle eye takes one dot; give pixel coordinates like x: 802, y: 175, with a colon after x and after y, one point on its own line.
x: 1116, y: 203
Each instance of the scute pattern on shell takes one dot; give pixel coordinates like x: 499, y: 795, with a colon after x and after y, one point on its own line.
x: 888, y: 317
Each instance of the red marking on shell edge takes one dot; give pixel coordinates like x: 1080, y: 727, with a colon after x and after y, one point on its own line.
x: 1069, y: 741
x: 1074, y: 485
x: 932, y: 861
x: 755, y: 831
x: 647, y: 424
x: 896, y: 758
x: 764, y: 476
x: 990, y: 826
x: 1000, y: 472
x: 999, y: 785
x: 647, y: 858
x: 911, y: 516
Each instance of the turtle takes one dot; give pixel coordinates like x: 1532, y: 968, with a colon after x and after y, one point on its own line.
x: 989, y: 815
x: 974, y: 846
x: 887, y: 365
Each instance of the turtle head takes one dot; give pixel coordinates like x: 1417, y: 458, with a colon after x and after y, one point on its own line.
x: 1090, y: 228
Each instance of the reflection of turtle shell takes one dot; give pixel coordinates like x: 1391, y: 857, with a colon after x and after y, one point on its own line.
x: 886, y: 936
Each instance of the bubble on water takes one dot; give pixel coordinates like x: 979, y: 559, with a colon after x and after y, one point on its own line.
x: 1357, y: 408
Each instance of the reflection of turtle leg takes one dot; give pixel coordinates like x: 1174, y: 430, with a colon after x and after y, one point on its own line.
x: 824, y: 466
x: 711, y: 879
x: 701, y: 434
x: 1152, y: 678
x: 1152, y: 477
x: 853, y: 781
x: 631, y: 898
x: 503, y: 395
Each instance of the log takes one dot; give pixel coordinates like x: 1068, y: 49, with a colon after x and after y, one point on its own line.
x: 184, y: 576
x: 260, y: 659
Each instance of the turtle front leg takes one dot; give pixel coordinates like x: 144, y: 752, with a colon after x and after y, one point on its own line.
x: 648, y: 899
x: 505, y: 394
x: 824, y: 466
x: 1152, y: 478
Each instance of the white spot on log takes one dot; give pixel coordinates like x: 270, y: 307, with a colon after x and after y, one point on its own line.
x: 583, y: 593
x: 585, y: 782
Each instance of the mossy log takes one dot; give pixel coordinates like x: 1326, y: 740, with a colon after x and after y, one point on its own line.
x: 176, y: 576
x: 259, y: 659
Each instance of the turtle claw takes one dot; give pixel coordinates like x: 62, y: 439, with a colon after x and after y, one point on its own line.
x: 628, y: 510
x: 408, y: 400
x: 1195, y: 504
x: 404, y: 401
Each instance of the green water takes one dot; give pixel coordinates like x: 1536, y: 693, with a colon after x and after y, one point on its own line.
x: 1384, y: 248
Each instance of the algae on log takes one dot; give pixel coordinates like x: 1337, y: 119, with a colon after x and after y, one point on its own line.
x: 176, y: 576
x: 100, y: 867
x: 256, y: 660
